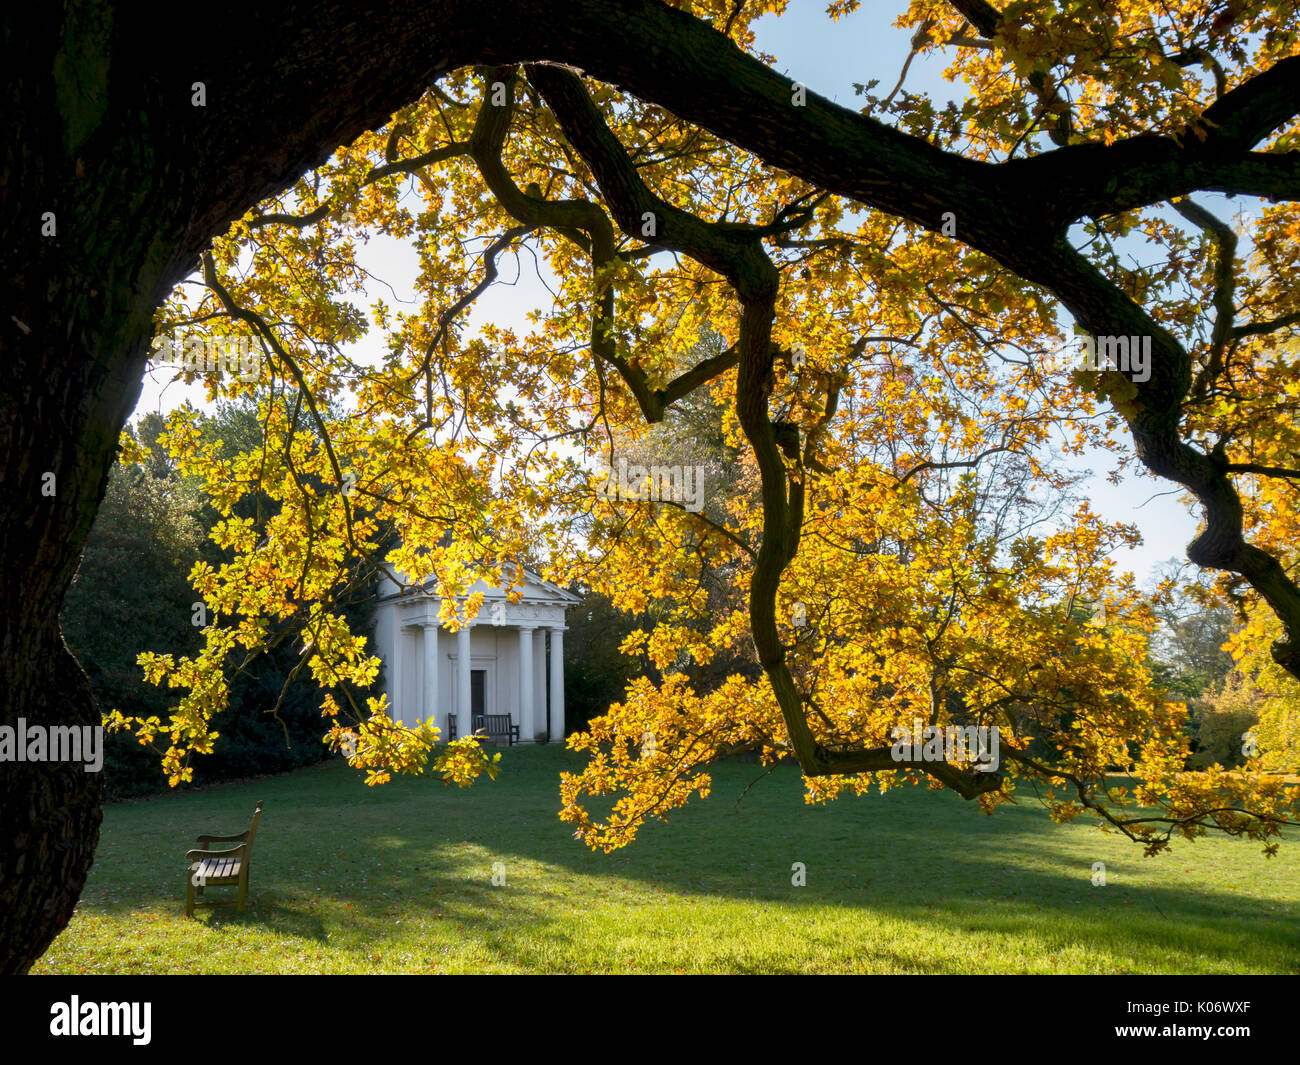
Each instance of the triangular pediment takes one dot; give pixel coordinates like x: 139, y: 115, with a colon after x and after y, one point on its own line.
x: 533, y: 589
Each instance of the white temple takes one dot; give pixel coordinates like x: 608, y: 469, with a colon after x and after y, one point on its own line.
x: 498, y: 664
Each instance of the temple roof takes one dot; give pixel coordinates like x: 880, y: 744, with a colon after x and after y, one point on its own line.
x: 535, y: 590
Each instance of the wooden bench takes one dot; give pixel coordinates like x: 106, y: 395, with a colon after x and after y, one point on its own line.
x: 499, y: 727
x: 210, y: 868
x: 494, y: 726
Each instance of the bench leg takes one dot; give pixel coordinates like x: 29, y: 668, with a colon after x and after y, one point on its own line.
x: 243, y: 890
x: 189, y: 894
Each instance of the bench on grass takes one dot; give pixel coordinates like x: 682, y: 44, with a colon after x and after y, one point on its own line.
x: 496, y: 727
x: 220, y: 868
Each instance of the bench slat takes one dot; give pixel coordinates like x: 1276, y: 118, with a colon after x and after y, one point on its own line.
x: 218, y: 868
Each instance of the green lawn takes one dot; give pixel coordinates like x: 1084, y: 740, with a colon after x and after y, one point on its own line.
x: 398, y: 878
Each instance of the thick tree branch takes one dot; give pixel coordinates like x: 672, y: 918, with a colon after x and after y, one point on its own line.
x: 980, y: 14
x: 1225, y: 283
x: 1259, y: 328
x: 1263, y: 471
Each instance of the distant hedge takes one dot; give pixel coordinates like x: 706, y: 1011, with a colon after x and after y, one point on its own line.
x: 132, y: 594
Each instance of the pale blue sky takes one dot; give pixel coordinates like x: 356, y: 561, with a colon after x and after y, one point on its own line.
x: 828, y: 57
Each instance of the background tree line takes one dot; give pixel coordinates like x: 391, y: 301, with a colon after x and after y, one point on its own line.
x: 132, y: 594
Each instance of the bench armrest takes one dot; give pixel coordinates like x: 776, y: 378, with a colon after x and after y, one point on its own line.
x: 239, y: 837
x: 191, y: 855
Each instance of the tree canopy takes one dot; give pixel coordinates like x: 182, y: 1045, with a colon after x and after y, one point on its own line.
x: 895, y: 547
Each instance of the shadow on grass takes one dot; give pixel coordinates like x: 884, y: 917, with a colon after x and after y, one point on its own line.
x: 413, y: 850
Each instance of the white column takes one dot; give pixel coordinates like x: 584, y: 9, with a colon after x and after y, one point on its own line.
x: 557, y: 685
x: 539, y: 684
x: 395, y: 675
x: 429, y: 703
x: 464, y: 711
x: 525, y: 684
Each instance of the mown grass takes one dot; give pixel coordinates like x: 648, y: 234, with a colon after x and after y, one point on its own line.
x: 398, y: 878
